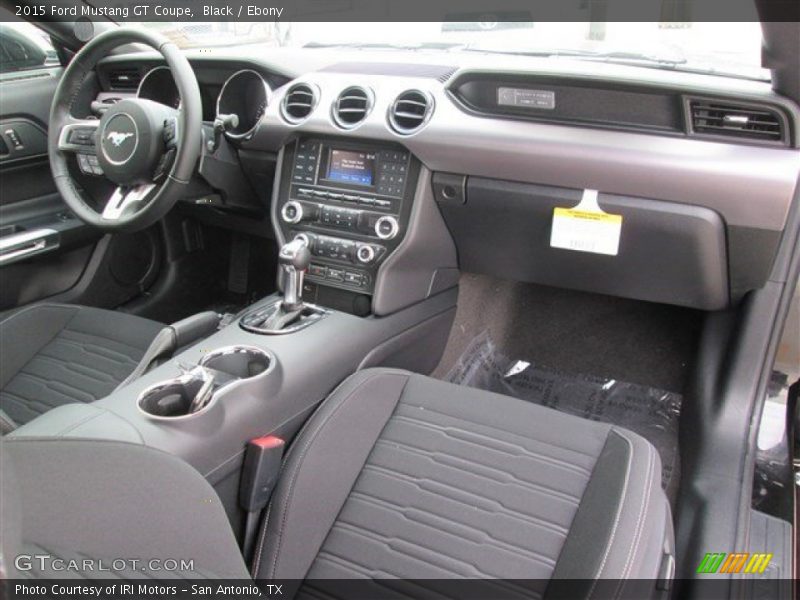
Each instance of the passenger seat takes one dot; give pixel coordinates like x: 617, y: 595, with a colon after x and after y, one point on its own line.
x: 400, y: 475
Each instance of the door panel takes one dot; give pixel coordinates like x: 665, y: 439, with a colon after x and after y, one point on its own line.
x: 44, y: 249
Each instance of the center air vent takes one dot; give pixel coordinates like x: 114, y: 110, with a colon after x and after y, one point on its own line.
x: 410, y: 111
x: 351, y: 107
x: 124, y: 79
x: 743, y: 121
x: 298, y: 102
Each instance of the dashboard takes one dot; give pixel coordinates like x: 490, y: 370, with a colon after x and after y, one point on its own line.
x: 701, y: 169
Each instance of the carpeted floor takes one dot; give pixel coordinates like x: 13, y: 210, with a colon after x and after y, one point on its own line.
x: 602, y: 358
x: 576, y: 332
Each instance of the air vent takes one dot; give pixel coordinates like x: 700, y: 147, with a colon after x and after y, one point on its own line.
x: 743, y: 121
x: 298, y: 102
x: 124, y: 79
x: 410, y: 111
x: 445, y: 77
x: 351, y: 107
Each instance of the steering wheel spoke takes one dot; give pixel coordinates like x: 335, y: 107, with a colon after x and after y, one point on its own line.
x: 123, y: 199
x: 78, y: 135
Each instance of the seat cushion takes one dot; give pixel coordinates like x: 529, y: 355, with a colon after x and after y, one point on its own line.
x: 53, y: 354
x: 400, y: 475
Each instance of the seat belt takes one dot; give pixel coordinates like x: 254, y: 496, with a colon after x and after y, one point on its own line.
x: 262, y: 465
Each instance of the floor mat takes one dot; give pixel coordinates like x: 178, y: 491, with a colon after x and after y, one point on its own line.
x: 576, y: 332
x: 650, y: 412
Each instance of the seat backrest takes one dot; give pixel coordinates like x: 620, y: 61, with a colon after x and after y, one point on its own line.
x: 104, y: 500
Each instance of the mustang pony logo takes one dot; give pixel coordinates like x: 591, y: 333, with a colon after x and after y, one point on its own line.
x: 117, y: 138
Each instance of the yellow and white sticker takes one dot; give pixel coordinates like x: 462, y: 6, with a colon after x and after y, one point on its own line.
x: 586, y: 228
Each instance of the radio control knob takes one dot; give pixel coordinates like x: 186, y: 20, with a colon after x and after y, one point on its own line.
x: 365, y: 254
x: 387, y: 228
x: 292, y: 212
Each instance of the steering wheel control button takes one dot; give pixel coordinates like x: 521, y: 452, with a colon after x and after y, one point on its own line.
x: 90, y: 164
x: 170, y: 131
x: 83, y: 136
x: 365, y: 254
x: 387, y: 228
x: 292, y: 212
x: 164, y: 165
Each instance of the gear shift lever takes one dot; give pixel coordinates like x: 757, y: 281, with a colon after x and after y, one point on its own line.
x: 293, y: 259
x: 290, y: 313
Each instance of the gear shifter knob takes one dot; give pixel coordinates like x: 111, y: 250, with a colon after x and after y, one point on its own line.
x: 293, y: 259
x: 296, y: 254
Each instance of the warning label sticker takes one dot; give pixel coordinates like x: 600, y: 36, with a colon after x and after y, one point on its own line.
x: 586, y: 227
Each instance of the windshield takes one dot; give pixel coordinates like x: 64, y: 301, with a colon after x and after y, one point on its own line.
x: 732, y: 49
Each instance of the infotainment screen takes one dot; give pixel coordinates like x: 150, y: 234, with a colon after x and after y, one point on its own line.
x: 351, y: 166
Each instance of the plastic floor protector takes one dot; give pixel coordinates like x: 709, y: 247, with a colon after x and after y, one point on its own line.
x: 650, y: 412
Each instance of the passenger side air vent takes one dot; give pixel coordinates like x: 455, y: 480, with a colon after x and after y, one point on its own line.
x: 410, y: 111
x: 124, y: 79
x: 445, y: 77
x: 298, y: 102
x: 733, y: 120
x: 351, y: 107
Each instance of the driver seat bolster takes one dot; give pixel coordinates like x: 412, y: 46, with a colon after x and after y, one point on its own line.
x: 54, y: 354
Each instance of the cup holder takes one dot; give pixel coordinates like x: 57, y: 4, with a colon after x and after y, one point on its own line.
x: 173, y: 398
x: 239, y: 362
x: 197, y: 388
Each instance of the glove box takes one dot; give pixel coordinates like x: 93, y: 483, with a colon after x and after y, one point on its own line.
x: 667, y: 252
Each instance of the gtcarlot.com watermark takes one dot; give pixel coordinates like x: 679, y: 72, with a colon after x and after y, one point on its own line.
x: 48, y: 563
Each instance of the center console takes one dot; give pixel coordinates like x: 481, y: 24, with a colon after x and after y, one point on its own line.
x: 350, y: 203
x: 368, y: 274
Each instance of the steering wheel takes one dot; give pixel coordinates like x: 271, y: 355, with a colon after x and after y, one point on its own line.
x: 147, y: 149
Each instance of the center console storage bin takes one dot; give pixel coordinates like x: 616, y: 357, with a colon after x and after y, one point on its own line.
x: 668, y: 252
